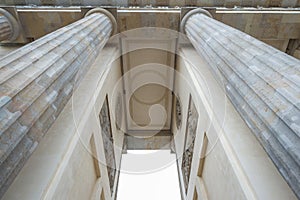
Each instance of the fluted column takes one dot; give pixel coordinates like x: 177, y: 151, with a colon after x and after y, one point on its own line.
x: 37, y: 80
x: 262, y: 82
x: 9, y: 27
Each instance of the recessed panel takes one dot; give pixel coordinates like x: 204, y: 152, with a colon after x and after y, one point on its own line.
x: 148, y: 82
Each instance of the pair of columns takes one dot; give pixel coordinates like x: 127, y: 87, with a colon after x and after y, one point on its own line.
x: 37, y: 80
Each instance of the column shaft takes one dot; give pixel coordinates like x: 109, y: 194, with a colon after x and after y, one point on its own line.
x: 263, y: 84
x: 5, y: 29
x: 37, y: 80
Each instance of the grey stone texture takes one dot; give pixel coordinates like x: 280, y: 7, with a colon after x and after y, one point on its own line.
x: 221, y: 3
x: 5, y: 29
x: 178, y: 114
x: 189, y: 143
x: 161, y: 140
x: 36, y: 81
x: 108, y: 143
x: 262, y: 83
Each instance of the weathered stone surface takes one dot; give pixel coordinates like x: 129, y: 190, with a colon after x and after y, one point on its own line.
x: 225, y: 3
x: 189, y: 143
x: 37, y: 80
x: 262, y: 83
x: 129, y: 19
x: 161, y: 140
x: 178, y: 113
x: 108, y: 143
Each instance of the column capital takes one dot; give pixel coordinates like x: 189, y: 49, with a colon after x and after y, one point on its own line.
x: 191, y: 13
x: 14, y: 25
x: 108, y: 14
